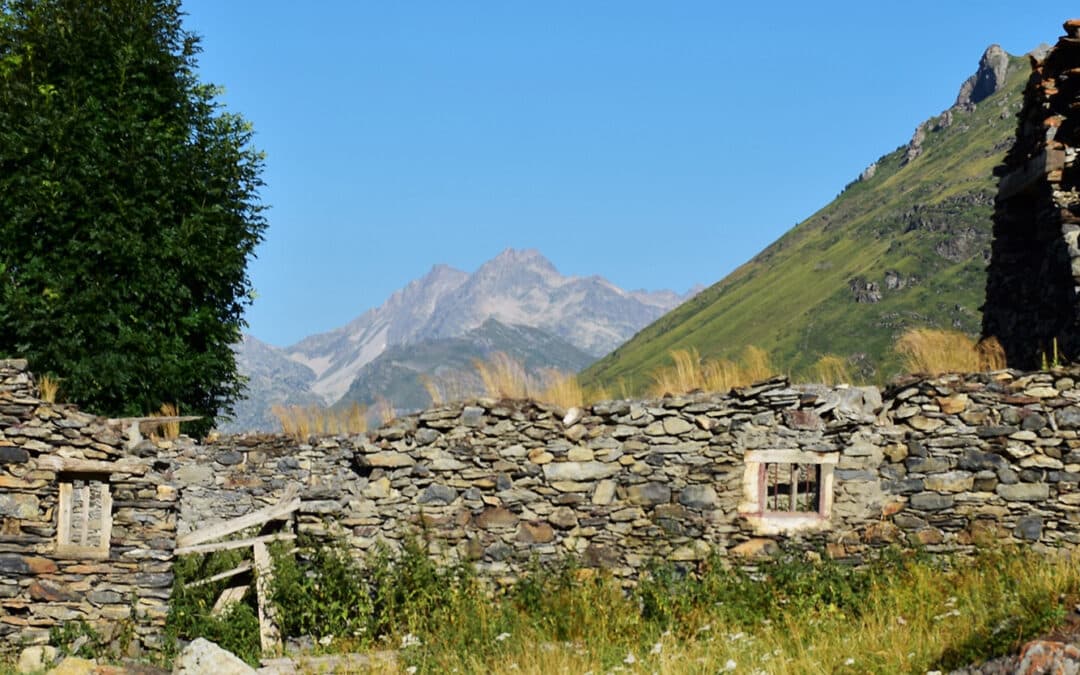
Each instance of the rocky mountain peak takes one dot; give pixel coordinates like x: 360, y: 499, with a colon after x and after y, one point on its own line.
x: 987, y: 80
x: 514, y: 261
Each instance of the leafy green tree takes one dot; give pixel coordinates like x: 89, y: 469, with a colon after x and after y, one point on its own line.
x: 128, y: 207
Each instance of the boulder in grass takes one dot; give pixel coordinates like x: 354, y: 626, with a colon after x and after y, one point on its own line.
x: 202, y: 656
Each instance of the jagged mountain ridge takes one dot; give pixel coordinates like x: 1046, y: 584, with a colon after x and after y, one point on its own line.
x: 905, y: 245
x: 519, y: 289
x: 516, y: 288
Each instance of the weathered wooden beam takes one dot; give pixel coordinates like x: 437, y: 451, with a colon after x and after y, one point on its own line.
x: 228, y: 598
x: 237, y: 543
x: 76, y: 465
x: 290, y: 501
x: 269, y: 634
x: 240, y: 569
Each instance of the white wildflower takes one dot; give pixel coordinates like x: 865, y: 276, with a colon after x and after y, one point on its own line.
x: 730, y: 665
x: 951, y: 601
x: 656, y: 648
x: 326, y: 640
x: 501, y: 636
x: 411, y: 670
x: 410, y: 640
x: 705, y: 629
x: 951, y: 612
x: 849, y: 661
x: 630, y: 659
x: 900, y: 620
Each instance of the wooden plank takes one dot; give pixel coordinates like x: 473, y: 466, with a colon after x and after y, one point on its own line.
x: 84, y: 515
x: 228, y: 598
x: 289, y: 502
x: 77, y: 465
x: 63, y: 519
x: 269, y: 634
x: 243, y: 567
x: 105, y: 535
x: 237, y: 543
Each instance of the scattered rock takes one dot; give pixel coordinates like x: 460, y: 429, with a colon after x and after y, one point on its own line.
x: 202, y: 657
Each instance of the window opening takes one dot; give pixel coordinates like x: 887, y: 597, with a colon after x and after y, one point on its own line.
x: 84, y: 523
x: 791, y: 488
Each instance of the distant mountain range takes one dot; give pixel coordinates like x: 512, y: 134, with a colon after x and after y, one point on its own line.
x: 516, y: 302
x: 906, y: 244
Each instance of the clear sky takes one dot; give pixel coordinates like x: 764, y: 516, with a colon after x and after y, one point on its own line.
x: 658, y: 144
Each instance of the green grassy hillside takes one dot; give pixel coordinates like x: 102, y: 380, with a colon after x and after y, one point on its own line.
x: 920, y: 231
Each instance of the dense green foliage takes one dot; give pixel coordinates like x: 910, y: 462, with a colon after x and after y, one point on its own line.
x: 128, y: 207
x: 190, y: 608
x: 920, y: 230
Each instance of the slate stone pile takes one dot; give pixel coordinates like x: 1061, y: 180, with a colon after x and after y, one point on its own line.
x: 125, y: 593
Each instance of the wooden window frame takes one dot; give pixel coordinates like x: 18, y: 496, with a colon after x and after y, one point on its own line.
x: 755, y: 491
x: 73, y: 516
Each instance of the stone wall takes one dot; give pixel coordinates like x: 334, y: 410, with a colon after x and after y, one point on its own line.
x: 944, y: 464
x: 115, y: 576
x: 1034, y: 272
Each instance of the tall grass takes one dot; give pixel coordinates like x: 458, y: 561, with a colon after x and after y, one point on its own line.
x: 832, y: 370
x: 933, y: 352
x: 168, y: 430
x: 896, y: 614
x: 689, y: 372
x: 502, y: 376
x: 48, y: 388
x: 302, y: 422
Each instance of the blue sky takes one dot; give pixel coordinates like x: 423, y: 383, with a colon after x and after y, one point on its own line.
x: 658, y: 144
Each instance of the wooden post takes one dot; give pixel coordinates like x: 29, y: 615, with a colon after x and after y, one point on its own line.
x: 269, y: 634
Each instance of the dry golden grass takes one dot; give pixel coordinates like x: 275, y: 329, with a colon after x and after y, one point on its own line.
x: 504, y: 377
x: 167, y: 430
x: 302, y: 422
x: 832, y: 370
x: 689, y: 372
x: 933, y: 352
x: 561, y: 389
x: 384, y: 409
x: 48, y: 388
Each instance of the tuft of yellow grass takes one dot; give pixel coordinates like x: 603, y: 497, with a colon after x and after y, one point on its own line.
x: 832, y: 370
x: 384, y: 409
x: 934, y: 352
x: 167, y: 430
x: 302, y: 422
x: 561, y: 389
x: 502, y: 376
x: 689, y: 372
x: 48, y: 388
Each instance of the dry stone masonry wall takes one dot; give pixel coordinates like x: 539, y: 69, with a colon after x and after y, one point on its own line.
x: 87, y: 529
x: 945, y: 464
x: 1032, y: 297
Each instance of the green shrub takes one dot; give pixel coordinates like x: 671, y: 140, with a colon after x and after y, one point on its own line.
x: 236, y: 629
